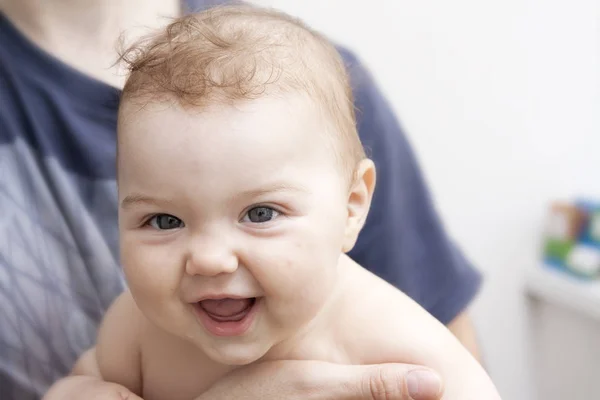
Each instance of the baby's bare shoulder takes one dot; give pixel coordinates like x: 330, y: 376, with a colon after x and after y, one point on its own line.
x: 382, y: 324
x: 386, y: 326
x: 118, y: 348
x: 122, y: 321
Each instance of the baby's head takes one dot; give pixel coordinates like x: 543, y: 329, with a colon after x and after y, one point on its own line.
x: 241, y: 176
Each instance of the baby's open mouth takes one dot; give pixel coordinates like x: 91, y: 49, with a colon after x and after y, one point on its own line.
x: 227, y: 310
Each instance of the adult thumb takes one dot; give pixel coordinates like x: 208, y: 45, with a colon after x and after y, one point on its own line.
x: 393, y: 382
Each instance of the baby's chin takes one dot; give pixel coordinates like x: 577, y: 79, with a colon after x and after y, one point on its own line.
x: 236, y: 354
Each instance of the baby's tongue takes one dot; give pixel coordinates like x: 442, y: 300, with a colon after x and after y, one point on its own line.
x: 225, y: 307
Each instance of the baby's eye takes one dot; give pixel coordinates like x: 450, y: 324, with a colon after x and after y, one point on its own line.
x: 165, y: 222
x: 259, y: 215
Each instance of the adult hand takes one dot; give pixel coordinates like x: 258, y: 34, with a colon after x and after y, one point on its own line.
x: 88, y: 388
x: 316, y: 380
x: 312, y: 380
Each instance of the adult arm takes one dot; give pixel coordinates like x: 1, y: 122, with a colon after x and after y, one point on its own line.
x: 462, y: 327
x: 310, y: 380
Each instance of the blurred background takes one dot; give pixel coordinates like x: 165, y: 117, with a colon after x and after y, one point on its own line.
x: 500, y: 100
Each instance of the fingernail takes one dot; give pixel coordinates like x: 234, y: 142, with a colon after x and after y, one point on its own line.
x: 423, y: 385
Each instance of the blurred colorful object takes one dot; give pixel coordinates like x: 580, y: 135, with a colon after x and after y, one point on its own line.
x: 572, y: 238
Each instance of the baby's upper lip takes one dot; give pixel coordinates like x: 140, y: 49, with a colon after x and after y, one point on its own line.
x: 219, y: 296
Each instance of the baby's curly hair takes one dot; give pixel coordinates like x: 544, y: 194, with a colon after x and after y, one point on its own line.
x: 242, y: 52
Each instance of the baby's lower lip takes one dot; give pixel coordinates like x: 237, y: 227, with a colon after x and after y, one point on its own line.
x: 233, y: 325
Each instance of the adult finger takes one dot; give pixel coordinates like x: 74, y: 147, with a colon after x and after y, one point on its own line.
x: 88, y: 388
x: 388, y: 382
x: 317, y: 380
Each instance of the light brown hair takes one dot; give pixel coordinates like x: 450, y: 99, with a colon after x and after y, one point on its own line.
x: 242, y: 52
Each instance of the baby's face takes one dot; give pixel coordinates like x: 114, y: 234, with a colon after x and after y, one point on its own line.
x: 232, y: 221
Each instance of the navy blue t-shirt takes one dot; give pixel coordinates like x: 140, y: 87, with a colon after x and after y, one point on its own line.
x: 59, y: 268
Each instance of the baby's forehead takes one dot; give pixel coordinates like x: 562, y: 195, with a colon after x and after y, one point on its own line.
x: 291, y: 124
x: 278, y: 119
x: 280, y: 108
x: 226, y: 150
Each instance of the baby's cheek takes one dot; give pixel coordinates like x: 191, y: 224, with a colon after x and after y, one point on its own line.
x: 303, y: 273
x: 283, y: 273
x: 150, y: 271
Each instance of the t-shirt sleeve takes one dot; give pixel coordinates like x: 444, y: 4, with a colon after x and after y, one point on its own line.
x: 403, y: 240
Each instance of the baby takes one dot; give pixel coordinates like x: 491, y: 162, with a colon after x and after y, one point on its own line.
x: 242, y: 184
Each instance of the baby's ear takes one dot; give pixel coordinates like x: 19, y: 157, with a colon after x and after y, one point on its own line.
x: 359, y: 202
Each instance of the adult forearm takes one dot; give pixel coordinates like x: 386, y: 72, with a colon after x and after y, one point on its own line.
x: 291, y: 380
x: 462, y: 327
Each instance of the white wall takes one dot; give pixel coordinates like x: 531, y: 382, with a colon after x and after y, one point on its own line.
x: 500, y: 99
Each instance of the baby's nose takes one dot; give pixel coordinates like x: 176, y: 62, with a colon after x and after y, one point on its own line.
x: 211, y: 258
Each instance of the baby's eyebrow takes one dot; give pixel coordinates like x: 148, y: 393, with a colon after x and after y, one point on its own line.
x: 274, y: 188
x: 134, y: 199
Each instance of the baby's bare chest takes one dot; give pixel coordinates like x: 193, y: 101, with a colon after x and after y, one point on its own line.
x: 172, y: 371
x: 177, y: 384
